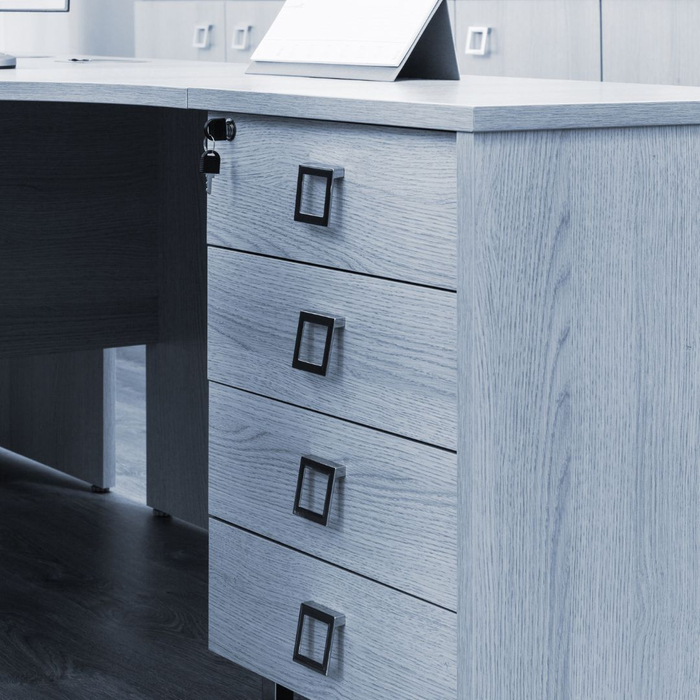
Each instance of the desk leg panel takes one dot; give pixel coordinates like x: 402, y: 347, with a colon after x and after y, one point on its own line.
x: 60, y: 410
x: 77, y: 227
x: 176, y: 367
x: 5, y: 404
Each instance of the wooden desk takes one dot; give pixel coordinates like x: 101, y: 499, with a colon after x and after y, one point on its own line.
x: 518, y: 272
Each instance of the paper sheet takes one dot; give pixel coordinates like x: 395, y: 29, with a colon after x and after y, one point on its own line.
x: 345, y: 32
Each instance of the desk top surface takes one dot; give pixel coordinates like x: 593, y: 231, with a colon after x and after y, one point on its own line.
x: 473, y: 104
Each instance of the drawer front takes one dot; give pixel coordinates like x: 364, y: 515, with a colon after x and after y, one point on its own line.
x: 392, y: 367
x: 392, y: 518
x: 391, y: 646
x: 393, y: 214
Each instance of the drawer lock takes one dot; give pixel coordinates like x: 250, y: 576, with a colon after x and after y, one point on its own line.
x: 331, y: 324
x: 311, y: 615
x: 327, y: 173
x: 331, y: 472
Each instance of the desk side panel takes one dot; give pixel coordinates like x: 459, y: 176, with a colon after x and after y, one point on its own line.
x: 78, y: 242
x: 176, y: 367
x: 5, y: 405
x: 60, y: 410
x: 580, y: 414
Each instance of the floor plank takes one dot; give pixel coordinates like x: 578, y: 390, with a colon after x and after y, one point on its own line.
x: 99, y: 600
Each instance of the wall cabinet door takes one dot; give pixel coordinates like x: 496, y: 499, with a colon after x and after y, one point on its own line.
x: 247, y: 22
x: 192, y: 30
x: 530, y: 38
x: 651, y: 41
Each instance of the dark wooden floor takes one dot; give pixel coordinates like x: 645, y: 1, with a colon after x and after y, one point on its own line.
x: 99, y: 600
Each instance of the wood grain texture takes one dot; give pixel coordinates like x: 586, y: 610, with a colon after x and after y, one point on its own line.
x: 474, y: 103
x: 393, y: 213
x: 393, y: 366
x: 391, y: 646
x: 394, y: 517
x: 532, y: 38
x: 114, y: 82
x: 654, y: 41
x: 466, y: 337
x: 99, y: 600
x: 78, y: 233
x: 59, y: 410
x: 176, y: 369
x: 580, y: 415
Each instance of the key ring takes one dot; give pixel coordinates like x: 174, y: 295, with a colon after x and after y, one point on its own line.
x: 207, y: 139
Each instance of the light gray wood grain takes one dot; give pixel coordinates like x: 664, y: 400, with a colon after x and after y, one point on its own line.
x: 637, y: 311
x: 394, y: 517
x: 176, y: 371
x: 59, y: 410
x: 532, y: 38
x: 77, y: 233
x: 393, y: 366
x: 580, y: 415
x: 654, y: 41
x: 112, y: 81
x: 467, y: 333
x: 393, y: 646
x: 474, y: 103
x: 393, y: 213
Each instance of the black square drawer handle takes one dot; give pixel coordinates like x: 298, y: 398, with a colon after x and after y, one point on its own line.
x: 332, y: 620
x: 333, y: 472
x: 331, y: 324
x: 330, y: 175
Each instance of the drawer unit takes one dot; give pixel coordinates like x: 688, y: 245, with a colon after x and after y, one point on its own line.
x: 529, y: 38
x: 390, y: 645
x: 192, y: 30
x: 393, y: 213
x: 247, y: 22
x: 393, y: 365
x: 392, y: 517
